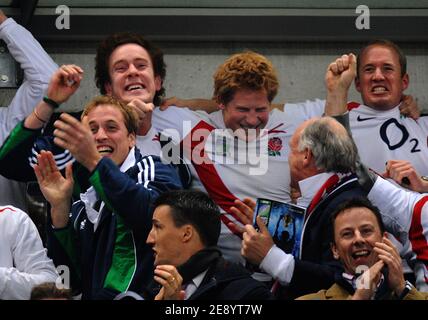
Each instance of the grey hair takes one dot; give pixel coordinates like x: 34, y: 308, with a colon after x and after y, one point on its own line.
x: 333, y: 151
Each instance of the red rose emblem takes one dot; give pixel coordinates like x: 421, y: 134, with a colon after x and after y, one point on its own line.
x: 275, y: 146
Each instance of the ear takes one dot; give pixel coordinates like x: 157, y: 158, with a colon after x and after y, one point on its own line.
x: 308, y: 157
x: 405, y: 81
x: 158, y: 83
x: 221, y: 106
x: 334, y: 250
x: 132, y: 140
x: 188, y: 233
x: 385, y: 235
x: 108, y: 89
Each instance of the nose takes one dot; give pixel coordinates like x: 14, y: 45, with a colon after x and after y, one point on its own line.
x: 358, y: 238
x: 378, y: 74
x: 100, y: 135
x: 252, y: 120
x: 150, y: 238
x: 132, y: 70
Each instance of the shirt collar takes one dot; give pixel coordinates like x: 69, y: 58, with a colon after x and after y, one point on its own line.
x: 129, y: 161
x: 310, y: 186
x: 198, y: 279
x: 352, y: 280
x: 390, y: 113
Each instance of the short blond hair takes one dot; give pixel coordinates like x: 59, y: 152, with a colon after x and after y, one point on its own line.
x: 129, y: 115
x: 246, y: 70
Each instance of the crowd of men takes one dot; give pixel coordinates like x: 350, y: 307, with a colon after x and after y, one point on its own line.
x: 160, y: 203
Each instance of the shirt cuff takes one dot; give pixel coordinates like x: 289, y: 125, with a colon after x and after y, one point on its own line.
x: 279, y: 265
x: 5, y: 23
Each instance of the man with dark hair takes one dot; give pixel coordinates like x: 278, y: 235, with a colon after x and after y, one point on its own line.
x: 186, y: 227
x: 130, y: 67
x: 372, y: 264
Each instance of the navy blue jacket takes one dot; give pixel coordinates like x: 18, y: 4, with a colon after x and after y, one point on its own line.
x: 316, y: 268
x: 115, y: 257
x: 225, y: 280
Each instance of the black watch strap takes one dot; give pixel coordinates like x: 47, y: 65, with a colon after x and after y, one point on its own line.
x: 51, y: 102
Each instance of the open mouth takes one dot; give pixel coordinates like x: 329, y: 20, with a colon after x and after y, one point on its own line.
x: 134, y: 87
x: 105, y: 150
x: 361, y: 254
x: 379, y: 89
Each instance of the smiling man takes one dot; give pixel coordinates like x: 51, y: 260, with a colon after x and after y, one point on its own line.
x: 132, y: 69
x: 128, y: 67
x: 361, y: 244
x: 102, y: 240
x: 241, y: 149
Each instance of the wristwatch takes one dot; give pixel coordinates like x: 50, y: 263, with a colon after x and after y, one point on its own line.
x: 407, y: 288
x: 425, y: 178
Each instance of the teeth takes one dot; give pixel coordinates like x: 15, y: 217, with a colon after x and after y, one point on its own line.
x: 134, y: 87
x: 105, y: 150
x: 361, y: 253
x: 379, y: 89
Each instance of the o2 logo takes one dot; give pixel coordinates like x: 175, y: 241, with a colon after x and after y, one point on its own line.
x: 404, y: 136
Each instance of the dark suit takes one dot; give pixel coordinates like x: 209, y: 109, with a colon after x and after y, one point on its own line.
x: 316, y: 267
x: 225, y: 280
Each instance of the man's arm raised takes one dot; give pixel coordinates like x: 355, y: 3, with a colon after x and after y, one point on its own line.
x: 339, y: 76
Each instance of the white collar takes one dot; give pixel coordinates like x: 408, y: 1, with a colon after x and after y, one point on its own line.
x: 129, y: 161
x: 390, y: 113
x: 90, y: 197
x: 194, y: 284
x: 310, y: 186
x: 198, y: 279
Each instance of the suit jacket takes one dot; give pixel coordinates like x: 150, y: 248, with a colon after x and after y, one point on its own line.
x: 230, y: 281
x: 316, y: 268
x: 336, y: 292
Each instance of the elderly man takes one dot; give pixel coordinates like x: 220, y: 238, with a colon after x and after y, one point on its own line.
x: 322, y: 164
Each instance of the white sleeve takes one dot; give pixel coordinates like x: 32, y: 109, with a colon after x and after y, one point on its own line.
x: 423, y: 122
x: 279, y: 265
x: 175, y: 122
x: 396, y: 206
x: 31, y: 266
x: 38, y: 68
x: 302, y: 111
